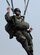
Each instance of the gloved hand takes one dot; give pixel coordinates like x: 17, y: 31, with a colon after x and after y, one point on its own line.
x: 30, y: 29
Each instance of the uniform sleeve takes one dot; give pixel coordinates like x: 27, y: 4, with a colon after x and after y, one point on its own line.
x: 7, y: 17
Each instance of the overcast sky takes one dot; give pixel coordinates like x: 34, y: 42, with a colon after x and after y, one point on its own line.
x: 12, y: 47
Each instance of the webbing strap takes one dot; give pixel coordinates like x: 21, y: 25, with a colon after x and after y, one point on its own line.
x: 25, y: 3
x: 8, y: 2
x: 12, y: 5
x: 26, y: 7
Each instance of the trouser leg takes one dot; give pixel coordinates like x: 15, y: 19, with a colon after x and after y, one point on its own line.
x: 29, y: 39
x: 26, y: 47
x: 9, y: 30
x: 22, y: 39
x: 10, y: 34
x: 31, y: 47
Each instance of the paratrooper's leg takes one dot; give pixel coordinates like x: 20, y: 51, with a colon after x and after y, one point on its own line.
x: 22, y: 39
x: 29, y: 39
x: 9, y: 30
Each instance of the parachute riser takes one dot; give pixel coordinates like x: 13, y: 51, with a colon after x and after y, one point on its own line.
x: 26, y: 6
x: 11, y: 4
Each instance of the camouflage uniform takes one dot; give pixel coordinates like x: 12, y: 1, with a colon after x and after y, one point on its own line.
x: 23, y: 36
x: 16, y: 28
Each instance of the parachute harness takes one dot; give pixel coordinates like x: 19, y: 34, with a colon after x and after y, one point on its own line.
x: 26, y: 6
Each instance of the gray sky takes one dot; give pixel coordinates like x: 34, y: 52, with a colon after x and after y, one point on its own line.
x: 12, y: 47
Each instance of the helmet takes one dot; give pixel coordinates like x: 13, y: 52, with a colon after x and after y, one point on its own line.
x: 17, y: 9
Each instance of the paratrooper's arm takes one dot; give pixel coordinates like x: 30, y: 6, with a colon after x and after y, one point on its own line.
x: 7, y: 15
